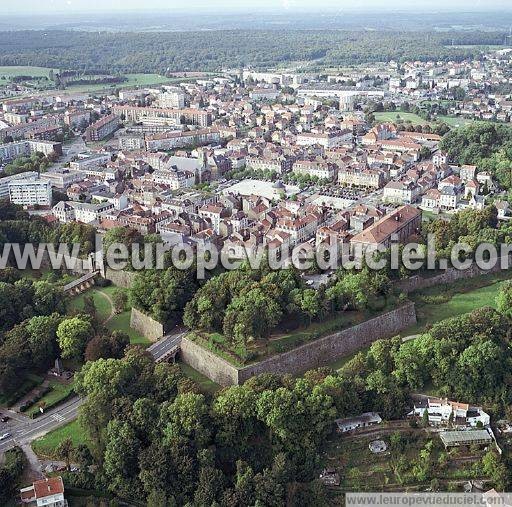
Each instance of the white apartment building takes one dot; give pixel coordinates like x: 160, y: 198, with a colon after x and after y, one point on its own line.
x: 325, y: 139
x: 131, y: 143
x: 62, y: 177
x: 10, y: 151
x: 322, y: 170
x: 30, y: 192
x: 214, y: 214
x: 174, y: 99
x: 400, y: 192
x: 177, y: 139
x: 87, y: 161
x: 80, y: 211
x: 174, y: 179
x: 264, y: 94
x: 4, y: 182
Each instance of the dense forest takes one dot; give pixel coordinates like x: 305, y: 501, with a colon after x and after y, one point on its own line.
x: 214, y: 50
x: 485, y: 144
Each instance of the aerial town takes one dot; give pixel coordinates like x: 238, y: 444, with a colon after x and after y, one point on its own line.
x: 210, y: 383
x: 251, y: 158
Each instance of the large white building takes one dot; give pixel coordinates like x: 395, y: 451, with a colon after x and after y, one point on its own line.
x: 174, y: 99
x: 63, y: 177
x: 10, y: 151
x: 325, y: 139
x: 30, y: 192
x: 4, y: 182
x: 80, y: 211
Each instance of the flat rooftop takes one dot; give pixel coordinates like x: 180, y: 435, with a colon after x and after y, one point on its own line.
x: 465, y: 437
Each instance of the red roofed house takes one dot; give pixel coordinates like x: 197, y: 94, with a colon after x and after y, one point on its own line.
x: 45, y: 493
x: 402, y: 222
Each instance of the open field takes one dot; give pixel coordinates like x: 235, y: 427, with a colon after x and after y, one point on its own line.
x: 414, y: 119
x: 134, y: 80
x: 45, y: 446
x: 14, y: 71
x: 398, y: 115
x: 454, y: 121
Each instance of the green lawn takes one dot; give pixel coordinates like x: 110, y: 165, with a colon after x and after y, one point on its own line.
x: 464, y: 297
x: 58, y: 393
x: 398, y: 115
x: 15, y: 71
x: 454, y: 121
x: 414, y: 119
x: 102, y: 304
x: 121, y: 322
x: 205, y: 384
x: 45, y: 446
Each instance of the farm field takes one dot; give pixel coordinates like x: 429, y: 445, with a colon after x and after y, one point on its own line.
x: 15, y: 71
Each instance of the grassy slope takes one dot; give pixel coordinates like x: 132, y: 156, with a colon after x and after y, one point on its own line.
x: 24, y: 71
x: 45, y: 446
x: 58, y: 393
x: 102, y: 304
x: 120, y: 322
x: 468, y: 295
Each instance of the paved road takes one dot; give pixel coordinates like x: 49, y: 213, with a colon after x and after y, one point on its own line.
x: 24, y: 430
x: 167, y: 343
x: 28, y: 430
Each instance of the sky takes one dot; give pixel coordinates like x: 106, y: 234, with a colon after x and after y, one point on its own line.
x: 72, y: 6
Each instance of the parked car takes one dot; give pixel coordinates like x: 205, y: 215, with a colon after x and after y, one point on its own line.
x: 5, y: 418
x: 4, y: 436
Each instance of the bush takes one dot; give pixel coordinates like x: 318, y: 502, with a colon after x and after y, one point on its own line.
x: 53, y: 404
x: 103, y: 282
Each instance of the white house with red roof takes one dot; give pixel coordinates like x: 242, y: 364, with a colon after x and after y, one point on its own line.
x: 48, y: 492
